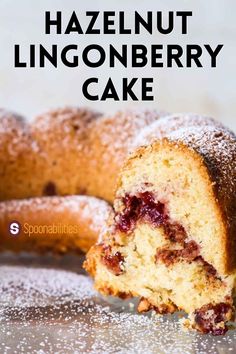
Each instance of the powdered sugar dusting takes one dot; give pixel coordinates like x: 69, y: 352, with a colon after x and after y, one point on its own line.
x: 19, y: 136
x: 168, y: 124
x: 15, y: 135
x: 217, y: 147
x: 75, y: 141
x: 8, y: 119
x: 116, y: 133
x: 23, y: 287
x: 86, y: 208
x: 53, y: 311
x: 64, y: 128
x: 65, y: 118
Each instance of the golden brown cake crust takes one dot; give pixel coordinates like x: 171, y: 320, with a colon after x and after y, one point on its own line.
x: 66, y: 151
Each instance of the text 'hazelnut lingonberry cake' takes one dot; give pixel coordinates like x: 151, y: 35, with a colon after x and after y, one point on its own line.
x: 172, y: 239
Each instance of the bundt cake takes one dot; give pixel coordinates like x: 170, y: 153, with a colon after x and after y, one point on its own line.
x: 58, y: 224
x: 66, y: 151
x: 172, y: 239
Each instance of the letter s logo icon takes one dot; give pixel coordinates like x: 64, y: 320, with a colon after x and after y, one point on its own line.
x: 14, y: 228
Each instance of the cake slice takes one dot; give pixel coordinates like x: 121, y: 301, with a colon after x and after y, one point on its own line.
x: 172, y: 239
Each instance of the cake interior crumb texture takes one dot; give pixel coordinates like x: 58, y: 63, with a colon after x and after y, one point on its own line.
x: 168, y: 241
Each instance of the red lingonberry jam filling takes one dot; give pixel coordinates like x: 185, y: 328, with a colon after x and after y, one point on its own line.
x: 190, y: 252
x: 144, y: 207
x: 112, y: 261
x: 209, y: 316
x: 175, y: 232
x: 207, y: 266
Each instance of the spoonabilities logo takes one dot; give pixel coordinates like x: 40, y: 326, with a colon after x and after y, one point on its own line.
x: 14, y: 228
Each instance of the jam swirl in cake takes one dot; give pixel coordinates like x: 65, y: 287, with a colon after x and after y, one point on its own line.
x: 144, y: 207
x: 113, y: 261
x: 211, y: 318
